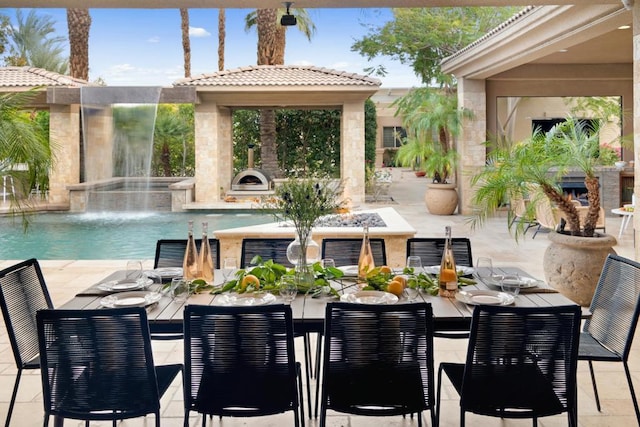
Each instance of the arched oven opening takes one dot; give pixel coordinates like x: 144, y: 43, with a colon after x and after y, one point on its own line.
x: 251, y: 179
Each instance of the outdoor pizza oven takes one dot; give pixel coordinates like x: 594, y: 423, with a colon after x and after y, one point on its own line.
x: 251, y: 179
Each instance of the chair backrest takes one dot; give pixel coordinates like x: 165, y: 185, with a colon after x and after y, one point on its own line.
x: 378, y: 356
x: 95, y: 362
x: 430, y: 250
x: 582, y: 213
x: 346, y: 251
x: 546, y: 215
x: 23, y: 292
x: 271, y: 248
x: 616, y: 305
x: 521, y: 360
x: 170, y: 252
x: 239, y: 361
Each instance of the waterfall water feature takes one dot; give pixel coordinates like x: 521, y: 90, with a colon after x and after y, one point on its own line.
x: 117, y: 128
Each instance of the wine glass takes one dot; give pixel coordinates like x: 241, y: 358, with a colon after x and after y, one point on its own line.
x: 288, y: 288
x: 414, y: 262
x: 229, y: 266
x: 484, y: 270
x: 510, y: 284
x: 134, y: 270
x: 328, y: 262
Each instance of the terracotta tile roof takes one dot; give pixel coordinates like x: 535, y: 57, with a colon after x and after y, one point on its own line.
x: 280, y: 75
x: 32, y: 77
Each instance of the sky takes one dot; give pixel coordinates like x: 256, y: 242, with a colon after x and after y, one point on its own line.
x: 134, y: 47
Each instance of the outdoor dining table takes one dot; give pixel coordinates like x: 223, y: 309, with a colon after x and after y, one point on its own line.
x: 166, y: 315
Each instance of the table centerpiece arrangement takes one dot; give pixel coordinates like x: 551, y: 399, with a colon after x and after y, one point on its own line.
x: 301, y: 202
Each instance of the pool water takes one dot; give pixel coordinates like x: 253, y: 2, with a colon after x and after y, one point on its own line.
x: 113, y: 235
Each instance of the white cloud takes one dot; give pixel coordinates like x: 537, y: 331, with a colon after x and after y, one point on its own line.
x: 198, y: 32
x: 154, y: 39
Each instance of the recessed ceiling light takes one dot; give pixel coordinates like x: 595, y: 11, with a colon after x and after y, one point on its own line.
x: 563, y: 50
x: 624, y: 27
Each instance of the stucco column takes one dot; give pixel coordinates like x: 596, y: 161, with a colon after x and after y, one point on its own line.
x: 472, y: 95
x: 636, y: 119
x: 352, y: 151
x: 213, y: 152
x: 64, y: 133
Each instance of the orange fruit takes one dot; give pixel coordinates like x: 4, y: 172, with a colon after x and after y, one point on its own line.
x: 395, y: 288
x: 448, y: 275
x: 401, y: 279
x: 385, y: 269
x: 250, y: 280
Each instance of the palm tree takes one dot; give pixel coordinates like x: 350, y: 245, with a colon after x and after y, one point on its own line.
x: 32, y: 44
x: 222, y: 33
x: 432, y: 120
x: 271, y: 47
x: 186, y: 44
x: 78, y: 24
x: 23, y: 141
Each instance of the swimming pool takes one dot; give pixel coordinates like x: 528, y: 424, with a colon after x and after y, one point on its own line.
x: 113, y: 235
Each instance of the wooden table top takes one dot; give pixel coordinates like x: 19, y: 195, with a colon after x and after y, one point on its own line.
x: 165, y: 316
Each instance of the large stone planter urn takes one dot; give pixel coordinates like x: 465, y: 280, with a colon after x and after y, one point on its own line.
x: 572, y: 264
x: 441, y: 199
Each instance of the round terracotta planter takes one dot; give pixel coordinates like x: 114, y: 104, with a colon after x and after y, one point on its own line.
x: 441, y: 199
x: 572, y: 264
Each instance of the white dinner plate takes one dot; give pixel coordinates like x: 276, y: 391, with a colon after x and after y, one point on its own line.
x: 370, y: 297
x: 349, y: 270
x: 477, y: 297
x: 249, y: 298
x: 523, y: 282
x: 166, y: 272
x: 124, y: 285
x: 131, y: 299
x: 466, y: 271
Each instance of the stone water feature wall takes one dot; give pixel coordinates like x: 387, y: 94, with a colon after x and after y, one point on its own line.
x: 130, y: 194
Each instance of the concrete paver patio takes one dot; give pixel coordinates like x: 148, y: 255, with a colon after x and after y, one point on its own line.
x: 66, y: 278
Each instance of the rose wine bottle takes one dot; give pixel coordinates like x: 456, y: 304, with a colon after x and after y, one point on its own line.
x: 365, y: 262
x: 205, y: 261
x: 448, y: 277
x: 190, y: 261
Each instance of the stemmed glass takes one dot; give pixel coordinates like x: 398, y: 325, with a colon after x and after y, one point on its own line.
x: 288, y: 288
x: 229, y: 266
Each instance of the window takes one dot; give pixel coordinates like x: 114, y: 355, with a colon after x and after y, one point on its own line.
x: 392, y: 136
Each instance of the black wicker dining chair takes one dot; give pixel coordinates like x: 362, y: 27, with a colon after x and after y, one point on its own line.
x: 608, y: 334
x: 378, y: 360
x: 170, y: 252
x: 430, y: 250
x: 346, y: 251
x: 521, y: 363
x: 268, y: 248
x: 23, y: 292
x: 98, y: 365
x: 240, y: 362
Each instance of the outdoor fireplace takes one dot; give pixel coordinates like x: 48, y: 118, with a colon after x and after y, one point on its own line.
x: 251, y: 179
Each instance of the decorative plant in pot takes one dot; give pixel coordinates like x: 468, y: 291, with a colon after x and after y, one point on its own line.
x: 533, y: 169
x: 432, y: 120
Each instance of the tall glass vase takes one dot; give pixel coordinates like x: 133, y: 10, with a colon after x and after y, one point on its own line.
x: 302, y: 253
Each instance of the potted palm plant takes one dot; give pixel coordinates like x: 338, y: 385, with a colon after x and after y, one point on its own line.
x: 432, y: 121
x: 574, y: 259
